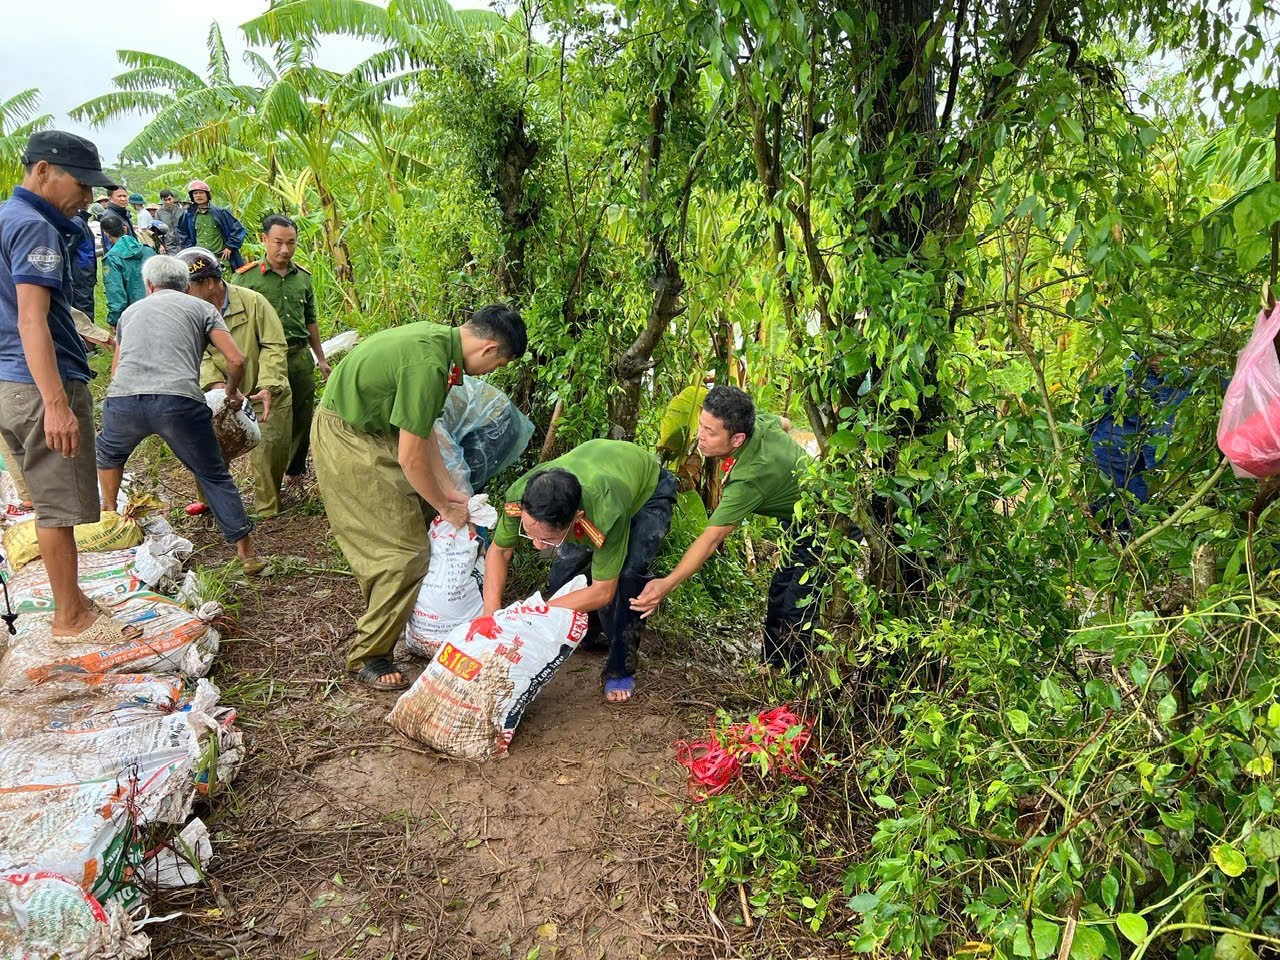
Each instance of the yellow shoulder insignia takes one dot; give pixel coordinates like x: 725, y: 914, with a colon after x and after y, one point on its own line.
x: 513, y: 510
x: 247, y: 266
x: 591, y: 532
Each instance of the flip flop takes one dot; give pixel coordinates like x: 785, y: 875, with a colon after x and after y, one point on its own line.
x: 105, y: 631
x: 625, y: 685
x: 374, y: 669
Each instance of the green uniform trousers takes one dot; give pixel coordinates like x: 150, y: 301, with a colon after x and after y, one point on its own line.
x: 270, y: 456
x: 302, y: 384
x: 380, y: 523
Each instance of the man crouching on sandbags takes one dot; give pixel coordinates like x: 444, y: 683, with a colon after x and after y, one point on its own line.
x: 379, y: 468
x: 605, y: 505
x: 761, y: 464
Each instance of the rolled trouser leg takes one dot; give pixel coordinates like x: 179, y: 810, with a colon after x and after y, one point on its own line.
x: 186, y: 425
x: 790, y: 616
x: 622, y: 625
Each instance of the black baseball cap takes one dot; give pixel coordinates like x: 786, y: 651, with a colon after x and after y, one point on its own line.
x: 76, y: 155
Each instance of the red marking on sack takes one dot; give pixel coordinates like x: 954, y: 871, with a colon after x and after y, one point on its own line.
x: 458, y: 663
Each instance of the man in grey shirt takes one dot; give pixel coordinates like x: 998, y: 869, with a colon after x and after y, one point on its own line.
x: 170, y: 213
x: 155, y: 390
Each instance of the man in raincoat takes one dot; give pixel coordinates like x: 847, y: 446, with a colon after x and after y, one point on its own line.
x: 213, y: 228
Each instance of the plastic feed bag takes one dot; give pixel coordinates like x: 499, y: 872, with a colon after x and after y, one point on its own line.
x: 1249, y: 426
x: 470, y: 698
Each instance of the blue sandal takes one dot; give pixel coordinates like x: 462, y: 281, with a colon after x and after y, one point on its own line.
x: 625, y: 685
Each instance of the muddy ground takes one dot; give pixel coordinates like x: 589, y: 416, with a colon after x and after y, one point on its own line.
x: 341, y: 838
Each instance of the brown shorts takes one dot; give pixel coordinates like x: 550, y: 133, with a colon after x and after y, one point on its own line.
x: 64, y: 490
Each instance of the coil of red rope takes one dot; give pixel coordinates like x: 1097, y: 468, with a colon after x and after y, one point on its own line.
x: 716, y: 762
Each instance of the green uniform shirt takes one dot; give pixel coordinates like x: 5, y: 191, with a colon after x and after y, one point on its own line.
x: 397, y: 379
x: 207, y: 233
x: 617, y: 479
x: 763, y: 478
x: 291, y: 295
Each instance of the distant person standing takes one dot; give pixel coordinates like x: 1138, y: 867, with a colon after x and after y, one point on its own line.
x: 122, y: 268
x: 137, y: 203
x: 210, y: 227
x: 170, y: 213
x: 118, y: 203
x: 287, y: 287
x: 84, y: 269
x: 143, y: 222
x: 46, y: 411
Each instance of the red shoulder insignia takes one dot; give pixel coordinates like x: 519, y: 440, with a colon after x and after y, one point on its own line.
x: 513, y: 510
x: 248, y: 266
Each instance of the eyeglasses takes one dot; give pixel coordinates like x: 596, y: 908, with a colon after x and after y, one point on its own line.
x: 545, y: 543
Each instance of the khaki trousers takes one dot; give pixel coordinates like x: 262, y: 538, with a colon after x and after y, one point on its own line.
x: 380, y: 523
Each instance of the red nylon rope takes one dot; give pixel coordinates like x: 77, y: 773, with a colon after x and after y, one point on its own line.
x: 716, y: 762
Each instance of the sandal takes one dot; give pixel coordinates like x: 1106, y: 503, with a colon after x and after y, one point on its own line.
x: 253, y: 566
x: 625, y: 685
x: 104, y: 631
x: 374, y: 669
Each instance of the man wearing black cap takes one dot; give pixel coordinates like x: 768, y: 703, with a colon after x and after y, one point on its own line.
x: 46, y: 413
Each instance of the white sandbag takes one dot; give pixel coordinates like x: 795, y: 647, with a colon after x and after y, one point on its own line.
x: 44, y: 916
x: 106, y: 576
x: 181, y: 861
x: 470, y: 698
x: 11, y: 509
x: 342, y: 343
x: 173, y: 640
x: 160, y: 557
x: 87, y: 703
x: 452, y: 591
x: 78, y: 803
x: 236, y: 428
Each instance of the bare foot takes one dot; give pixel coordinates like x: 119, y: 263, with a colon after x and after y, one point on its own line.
x: 78, y: 622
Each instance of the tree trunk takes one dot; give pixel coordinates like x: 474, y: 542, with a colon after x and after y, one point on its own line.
x: 630, y: 368
x: 336, y: 243
x: 667, y: 283
x: 518, y: 155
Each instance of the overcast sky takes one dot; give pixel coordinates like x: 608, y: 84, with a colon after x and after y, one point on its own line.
x: 70, y: 53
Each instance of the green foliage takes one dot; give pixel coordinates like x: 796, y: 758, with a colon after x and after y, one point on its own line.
x: 757, y: 844
x: 939, y: 233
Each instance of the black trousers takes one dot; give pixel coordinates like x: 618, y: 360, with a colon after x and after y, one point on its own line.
x: 616, y: 621
x: 789, y: 619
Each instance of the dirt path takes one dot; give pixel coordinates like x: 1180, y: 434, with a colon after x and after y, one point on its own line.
x: 340, y: 838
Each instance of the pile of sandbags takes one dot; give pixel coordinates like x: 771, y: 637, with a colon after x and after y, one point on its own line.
x: 104, y: 749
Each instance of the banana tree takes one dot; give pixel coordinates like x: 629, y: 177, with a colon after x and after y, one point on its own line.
x: 18, y: 120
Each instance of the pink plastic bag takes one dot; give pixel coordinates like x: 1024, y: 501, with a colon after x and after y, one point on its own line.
x: 1249, y: 428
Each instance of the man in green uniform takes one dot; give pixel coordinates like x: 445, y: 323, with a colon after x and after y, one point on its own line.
x: 605, y: 506
x: 287, y: 287
x: 257, y: 332
x: 379, y: 468
x: 761, y: 464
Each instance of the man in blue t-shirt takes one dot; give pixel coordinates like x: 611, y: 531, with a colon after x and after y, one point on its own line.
x: 46, y: 412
